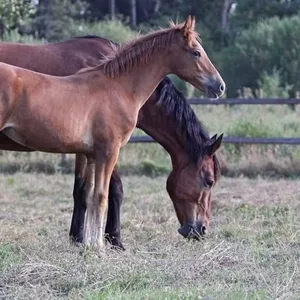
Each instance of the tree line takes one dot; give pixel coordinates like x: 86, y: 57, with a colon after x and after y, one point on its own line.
x: 254, y: 43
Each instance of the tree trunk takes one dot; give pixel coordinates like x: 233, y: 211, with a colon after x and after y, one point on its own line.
x: 157, y: 6
x: 133, y: 13
x: 1, y: 30
x: 224, y: 18
x: 112, y: 8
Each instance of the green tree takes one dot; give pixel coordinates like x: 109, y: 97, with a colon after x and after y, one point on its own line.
x: 270, y: 86
x: 113, y: 30
x: 14, y: 14
x: 55, y: 19
x: 249, y: 12
x: 274, y: 43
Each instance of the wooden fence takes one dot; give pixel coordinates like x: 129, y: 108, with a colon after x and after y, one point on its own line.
x: 238, y: 140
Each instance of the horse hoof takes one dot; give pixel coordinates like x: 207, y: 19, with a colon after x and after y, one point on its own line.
x: 115, y: 243
x: 118, y: 247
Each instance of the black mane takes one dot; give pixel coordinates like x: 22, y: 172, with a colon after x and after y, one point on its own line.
x: 90, y: 36
x: 176, y: 106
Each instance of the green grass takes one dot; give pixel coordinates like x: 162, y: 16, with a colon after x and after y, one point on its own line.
x: 251, y: 252
x: 10, y: 255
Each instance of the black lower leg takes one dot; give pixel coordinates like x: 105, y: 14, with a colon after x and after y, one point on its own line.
x: 77, y: 224
x: 115, y: 199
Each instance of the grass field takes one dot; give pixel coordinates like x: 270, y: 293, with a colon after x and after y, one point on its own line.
x: 251, y: 252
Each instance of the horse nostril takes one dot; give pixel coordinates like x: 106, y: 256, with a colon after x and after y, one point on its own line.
x: 203, y: 230
x: 222, y: 88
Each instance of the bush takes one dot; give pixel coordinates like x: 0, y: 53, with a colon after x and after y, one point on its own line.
x: 113, y: 30
x: 270, y: 86
x: 152, y: 169
x: 55, y: 20
x: 270, y: 44
x: 15, y: 36
x: 250, y: 129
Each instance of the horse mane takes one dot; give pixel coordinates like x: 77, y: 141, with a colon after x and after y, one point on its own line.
x: 89, y: 36
x: 177, y: 108
x: 138, y: 51
x: 95, y: 37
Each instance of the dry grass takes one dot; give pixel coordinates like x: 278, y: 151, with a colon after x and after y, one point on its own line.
x: 252, y: 251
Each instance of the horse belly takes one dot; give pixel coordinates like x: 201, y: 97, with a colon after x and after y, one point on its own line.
x: 49, y: 141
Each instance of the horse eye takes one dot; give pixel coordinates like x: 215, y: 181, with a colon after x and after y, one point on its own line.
x: 197, y: 54
x: 209, y: 183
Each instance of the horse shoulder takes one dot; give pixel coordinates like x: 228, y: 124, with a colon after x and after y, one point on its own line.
x: 10, y: 90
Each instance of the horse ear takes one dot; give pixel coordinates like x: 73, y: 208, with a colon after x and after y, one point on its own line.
x: 213, y: 138
x: 215, y: 145
x: 187, y: 27
x: 193, y: 23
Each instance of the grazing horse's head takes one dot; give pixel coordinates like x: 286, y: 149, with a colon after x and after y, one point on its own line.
x: 192, y: 64
x: 168, y: 118
x: 190, y: 185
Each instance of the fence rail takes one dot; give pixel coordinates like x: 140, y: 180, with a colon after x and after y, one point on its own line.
x: 232, y: 140
x: 234, y: 101
x: 237, y: 140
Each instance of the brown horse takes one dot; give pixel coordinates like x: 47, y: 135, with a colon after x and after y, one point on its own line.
x: 89, y: 49
x: 89, y: 130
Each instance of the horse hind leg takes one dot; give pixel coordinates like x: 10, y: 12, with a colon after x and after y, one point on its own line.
x: 77, y: 224
x: 115, y: 199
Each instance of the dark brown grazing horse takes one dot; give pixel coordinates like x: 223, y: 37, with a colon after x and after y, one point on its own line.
x: 110, y: 72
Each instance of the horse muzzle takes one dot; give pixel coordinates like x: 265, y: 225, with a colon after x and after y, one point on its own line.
x: 192, y: 230
x: 214, y: 88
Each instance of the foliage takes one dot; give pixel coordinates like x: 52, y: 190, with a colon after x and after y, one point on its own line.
x: 15, y: 36
x: 274, y: 43
x: 270, y: 86
x: 55, y: 20
x: 250, y: 12
x: 152, y: 169
x: 255, y: 33
x: 113, y: 30
x: 14, y: 14
x: 246, y: 128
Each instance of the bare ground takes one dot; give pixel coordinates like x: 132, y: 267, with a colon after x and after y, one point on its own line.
x: 251, y: 252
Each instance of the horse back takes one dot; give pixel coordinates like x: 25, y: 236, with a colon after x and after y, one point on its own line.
x: 59, y: 59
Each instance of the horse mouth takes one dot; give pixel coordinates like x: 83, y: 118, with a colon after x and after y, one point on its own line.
x: 211, y: 94
x: 191, y: 231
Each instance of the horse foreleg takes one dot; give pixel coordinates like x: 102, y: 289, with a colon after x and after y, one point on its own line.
x: 105, y: 163
x: 77, y: 224
x: 115, y: 199
x: 89, y: 201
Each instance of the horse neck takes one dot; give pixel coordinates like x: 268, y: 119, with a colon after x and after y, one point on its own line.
x: 154, y: 121
x: 143, y: 80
